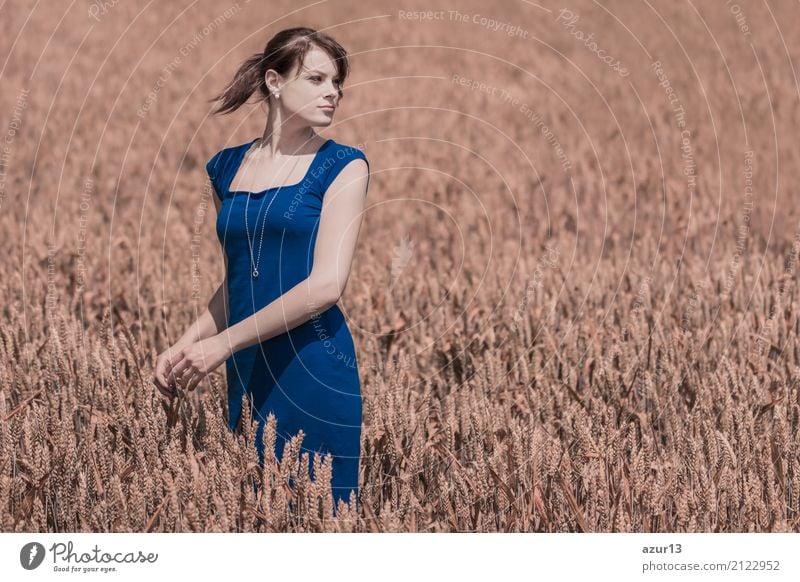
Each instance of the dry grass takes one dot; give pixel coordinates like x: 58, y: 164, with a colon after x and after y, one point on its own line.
x: 610, y: 349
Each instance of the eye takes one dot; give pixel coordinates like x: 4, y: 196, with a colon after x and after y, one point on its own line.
x: 316, y: 78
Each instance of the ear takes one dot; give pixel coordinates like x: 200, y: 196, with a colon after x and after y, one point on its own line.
x: 273, y: 80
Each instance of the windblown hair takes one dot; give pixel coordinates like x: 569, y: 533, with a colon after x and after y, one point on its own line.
x: 283, y: 51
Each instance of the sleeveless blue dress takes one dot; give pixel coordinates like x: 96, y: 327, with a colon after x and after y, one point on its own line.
x: 307, y: 377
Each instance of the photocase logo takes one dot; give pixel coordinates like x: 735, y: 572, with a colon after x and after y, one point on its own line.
x: 31, y: 556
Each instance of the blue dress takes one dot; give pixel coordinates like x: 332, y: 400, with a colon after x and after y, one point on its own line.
x: 307, y: 377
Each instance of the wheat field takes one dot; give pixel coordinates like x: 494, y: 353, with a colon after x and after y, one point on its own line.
x: 574, y: 298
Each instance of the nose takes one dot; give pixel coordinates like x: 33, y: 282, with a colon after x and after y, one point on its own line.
x: 331, y: 91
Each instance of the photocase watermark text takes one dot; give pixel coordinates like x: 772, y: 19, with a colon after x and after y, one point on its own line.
x: 568, y: 19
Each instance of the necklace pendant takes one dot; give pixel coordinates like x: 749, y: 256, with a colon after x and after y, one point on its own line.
x: 255, y: 272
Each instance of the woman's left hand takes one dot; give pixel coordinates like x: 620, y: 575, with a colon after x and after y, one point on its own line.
x: 194, y: 362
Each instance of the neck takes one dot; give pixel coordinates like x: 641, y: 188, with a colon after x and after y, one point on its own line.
x: 282, y: 139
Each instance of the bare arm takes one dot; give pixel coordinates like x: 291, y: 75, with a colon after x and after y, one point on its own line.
x: 340, y: 222
x: 213, y: 319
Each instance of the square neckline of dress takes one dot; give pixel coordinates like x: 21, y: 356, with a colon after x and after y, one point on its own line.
x: 242, y: 155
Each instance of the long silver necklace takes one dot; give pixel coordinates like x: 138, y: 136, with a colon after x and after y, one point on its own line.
x: 257, y: 261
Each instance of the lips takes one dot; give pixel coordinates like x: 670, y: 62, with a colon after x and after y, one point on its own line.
x: 327, y: 107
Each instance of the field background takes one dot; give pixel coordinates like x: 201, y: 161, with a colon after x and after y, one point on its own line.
x: 570, y: 312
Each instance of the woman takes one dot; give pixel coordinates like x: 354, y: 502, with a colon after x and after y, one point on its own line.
x: 289, y: 208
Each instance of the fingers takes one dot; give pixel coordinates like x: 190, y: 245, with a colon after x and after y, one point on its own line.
x: 167, y: 393
x: 194, y: 382
x: 178, y: 369
x: 191, y: 378
x: 177, y: 372
x: 161, y: 378
x: 169, y: 378
x: 185, y: 376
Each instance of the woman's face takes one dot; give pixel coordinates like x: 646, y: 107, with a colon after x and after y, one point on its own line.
x: 308, y: 94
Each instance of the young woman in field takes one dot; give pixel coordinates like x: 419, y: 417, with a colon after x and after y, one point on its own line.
x: 289, y: 207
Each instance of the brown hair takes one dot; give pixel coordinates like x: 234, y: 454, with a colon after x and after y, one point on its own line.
x: 286, y: 48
